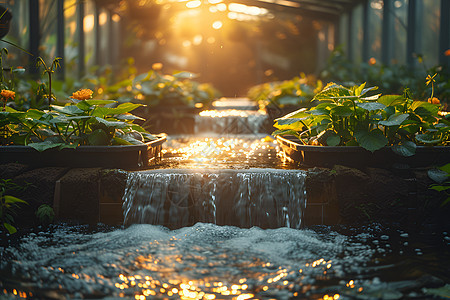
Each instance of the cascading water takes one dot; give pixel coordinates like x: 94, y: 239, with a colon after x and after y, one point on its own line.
x: 266, y: 198
x: 231, y: 121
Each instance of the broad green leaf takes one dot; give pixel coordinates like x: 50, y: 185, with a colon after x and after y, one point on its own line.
x: 371, y: 140
x: 391, y: 100
x: 11, y: 229
x: 69, y: 109
x: 289, y: 121
x: 423, y: 108
x: 93, y: 102
x: 300, y: 113
x: 119, y: 141
x: 445, y: 168
x: 331, y: 91
x: 42, y: 146
x: 440, y: 188
x: 427, y: 138
x: 371, y: 106
x: 34, y: 114
x: 11, y: 199
x: 112, y: 124
x: 319, y: 112
x: 121, y: 109
x: 333, y: 140
x: 438, y: 175
x: 131, y: 140
x: 45, y: 213
x: 148, y: 136
x: 129, y: 117
x: 341, y: 111
x: 394, y: 120
x: 98, y: 138
x: 405, y: 148
x: 185, y: 75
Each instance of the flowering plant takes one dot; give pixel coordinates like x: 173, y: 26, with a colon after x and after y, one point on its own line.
x: 349, y: 117
x: 86, y: 122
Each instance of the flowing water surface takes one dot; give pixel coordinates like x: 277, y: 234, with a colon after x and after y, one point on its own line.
x: 205, y: 185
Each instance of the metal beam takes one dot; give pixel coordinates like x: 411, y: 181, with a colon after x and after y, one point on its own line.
x: 34, y: 35
x: 60, y: 37
x: 366, y: 30
x: 81, y: 44
x: 387, y: 32
x: 444, y: 34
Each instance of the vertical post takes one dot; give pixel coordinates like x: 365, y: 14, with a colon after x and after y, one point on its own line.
x: 81, y: 47
x: 444, y: 34
x: 366, y: 30
x: 350, y: 52
x: 413, y: 34
x: 97, y: 35
x: 34, y: 35
x: 60, y: 37
x: 387, y: 32
x: 111, y: 44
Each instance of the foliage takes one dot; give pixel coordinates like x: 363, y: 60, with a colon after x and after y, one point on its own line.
x: 350, y: 117
x: 82, y: 122
x: 390, y: 79
x: 298, y: 91
x: 154, y: 88
x: 9, y: 204
x: 45, y: 214
x: 441, y: 175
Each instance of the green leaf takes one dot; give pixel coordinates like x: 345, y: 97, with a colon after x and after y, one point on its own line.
x: 11, y: 199
x: 341, y: 111
x: 371, y: 106
x: 69, y: 109
x: 98, y: 138
x: 358, y: 90
x: 185, y: 75
x: 437, y: 175
x: 445, y: 168
x: 441, y: 292
x: 423, y: 108
x: 440, y: 188
x: 11, y: 229
x: 129, y: 117
x: 45, y: 214
x: 427, y: 138
x: 300, y: 113
x: 109, y: 111
x: 45, y: 145
x: 34, y: 114
x: 331, y: 91
x: 372, y: 140
x: 406, y: 148
x: 119, y: 141
x: 333, y: 140
x: 391, y: 100
x: 112, y: 124
x: 285, y: 132
x: 394, y: 120
x: 319, y: 112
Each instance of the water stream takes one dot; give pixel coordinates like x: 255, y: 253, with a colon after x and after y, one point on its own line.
x: 220, y: 219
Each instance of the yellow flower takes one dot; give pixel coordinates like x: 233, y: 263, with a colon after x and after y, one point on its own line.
x: 83, y: 94
x: 7, y: 94
x: 434, y: 100
x: 157, y: 66
x: 430, y: 79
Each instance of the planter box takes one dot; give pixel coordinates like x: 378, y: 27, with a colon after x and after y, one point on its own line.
x: 130, y: 157
x: 358, y: 157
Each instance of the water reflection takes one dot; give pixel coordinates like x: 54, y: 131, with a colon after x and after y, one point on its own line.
x: 260, y: 151
x: 221, y: 262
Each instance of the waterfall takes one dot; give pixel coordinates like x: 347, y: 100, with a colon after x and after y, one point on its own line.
x: 231, y: 122
x: 267, y: 198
